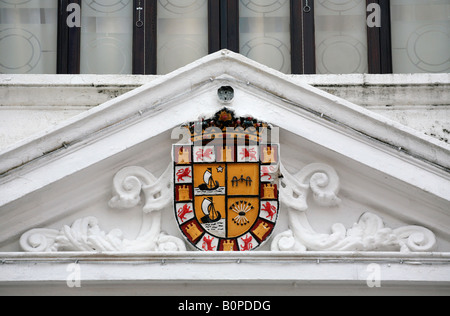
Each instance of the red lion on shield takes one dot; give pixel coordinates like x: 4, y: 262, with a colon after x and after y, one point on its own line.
x: 251, y: 154
x: 183, y: 211
x: 182, y: 173
x: 269, y: 208
x: 201, y: 153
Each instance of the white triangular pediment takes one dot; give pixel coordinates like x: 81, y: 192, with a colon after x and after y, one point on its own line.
x: 388, y: 186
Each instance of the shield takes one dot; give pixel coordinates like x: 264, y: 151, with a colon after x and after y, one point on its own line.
x: 226, y: 185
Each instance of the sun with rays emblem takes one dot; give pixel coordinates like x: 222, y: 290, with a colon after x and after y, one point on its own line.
x: 241, y: 208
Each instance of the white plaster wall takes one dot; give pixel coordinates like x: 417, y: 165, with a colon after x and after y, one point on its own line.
x: 230, y: 275
x: 33, y: 103
x: 23, y: 102
x: 420, y: 101
x: 17, y: 124
x: 98, y: 189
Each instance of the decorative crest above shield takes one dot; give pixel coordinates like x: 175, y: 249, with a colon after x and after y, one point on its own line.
x: 226, y: 183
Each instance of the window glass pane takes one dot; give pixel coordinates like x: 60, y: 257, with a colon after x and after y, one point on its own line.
x: 182, y: 33
x: 28, y: 36
x: 420, y: 36
x: 341, y: 36
x: 106, y: 37
x: 264, y: 32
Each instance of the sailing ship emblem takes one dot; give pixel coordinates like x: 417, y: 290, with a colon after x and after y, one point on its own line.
x: 226, y: 183
x: 211, y: 214
x: 209, y: 183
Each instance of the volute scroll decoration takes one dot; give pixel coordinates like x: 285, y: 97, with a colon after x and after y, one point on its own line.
x: 321, y: 179
x: 226, y: 186
x: 128, y: 184
x: 85, y: 234
x: 368, y: 234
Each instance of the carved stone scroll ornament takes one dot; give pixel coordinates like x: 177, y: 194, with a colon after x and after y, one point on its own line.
x: 85, y: 234
x: 368, y: 234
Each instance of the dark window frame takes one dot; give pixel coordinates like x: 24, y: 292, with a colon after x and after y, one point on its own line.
x: 223, y: 25
x: 223, y: 32
x: 144, y: 37
x: 303, y: 39
x: 379, y: 41
x: 303, y: 43
x: 69, y: 41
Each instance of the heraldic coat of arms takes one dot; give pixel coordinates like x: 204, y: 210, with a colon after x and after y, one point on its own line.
x: 226, y: 183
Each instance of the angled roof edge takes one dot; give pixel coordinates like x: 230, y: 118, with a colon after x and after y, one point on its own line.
x: 186, y: 79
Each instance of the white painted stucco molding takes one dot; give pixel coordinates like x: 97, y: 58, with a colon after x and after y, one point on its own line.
x: 60, y: 181
x: 322, y: 273
x: 158, y: 97
x: 169, y: 101
x: 328, y: 121
x: 130, y: 183
x: 226, y: 65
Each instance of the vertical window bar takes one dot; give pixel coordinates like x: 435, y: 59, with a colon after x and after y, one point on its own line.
x: 69, y: 41
x: 213, y: 26
x: 232, y: 30
x: 151, y: 42
x: 373, y: 41
x: 229, y: 24
x: 385, y: 38
x: 63, y: 36
x: 379, y: 40
x: 139, y: 37
x: 309, y: 42
x: 303, y: 45
x: 223, y: 24
x: 144, y: 37
x: 296, y: 37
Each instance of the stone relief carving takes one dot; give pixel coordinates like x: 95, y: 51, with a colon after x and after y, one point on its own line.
x: 86, y: 235
x: 368, y: 234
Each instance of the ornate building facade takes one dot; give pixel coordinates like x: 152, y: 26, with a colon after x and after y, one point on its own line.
x: 303, y: 159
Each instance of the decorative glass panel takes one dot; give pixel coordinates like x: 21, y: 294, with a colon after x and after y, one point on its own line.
x: 107, y: 37
x: 264, y: 27
x: 28, y: 36
x: 182, y: 33
x: 420, y: 36
x: 341, y: 36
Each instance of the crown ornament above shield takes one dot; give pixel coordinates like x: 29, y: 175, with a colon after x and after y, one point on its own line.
x: 226, y: 183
